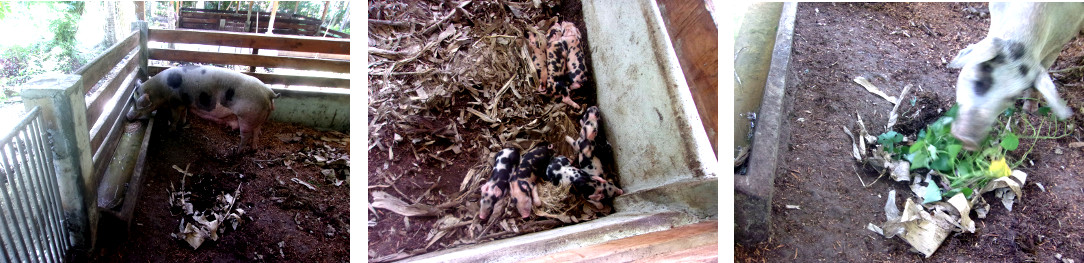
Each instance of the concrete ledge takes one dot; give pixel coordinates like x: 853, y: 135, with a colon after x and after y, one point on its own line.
x: 324, y: 108
x: 753, y: 191
x: 694, y: 196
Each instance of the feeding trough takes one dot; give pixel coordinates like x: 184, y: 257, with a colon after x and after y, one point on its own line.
x: 662, y: 153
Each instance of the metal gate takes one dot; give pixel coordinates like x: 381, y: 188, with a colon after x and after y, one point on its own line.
x: 31, y: 219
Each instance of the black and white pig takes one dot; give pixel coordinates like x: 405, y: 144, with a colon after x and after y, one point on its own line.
x: 1023, y: 41
x: 562, y: 173
x: 531, y: 167
x: 497, y: 185
x: 221, y: 95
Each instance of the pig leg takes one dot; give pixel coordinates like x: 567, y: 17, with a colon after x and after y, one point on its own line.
x: 571, y: 142
x: 534, y: 197
x: 1030, y: 105
x: 568, y: 100
x: 597, y: 204
x: 538, y: 58
x: 179, y: 116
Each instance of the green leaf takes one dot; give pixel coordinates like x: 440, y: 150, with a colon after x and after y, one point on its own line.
x: 1043, y: 111
x: 952, y: 111
x: 889, y: 138
x: 953, y: 150
x: 933, y: 194
x: 942, y: 164
x: 919, y: 160
x: 1009, y: 141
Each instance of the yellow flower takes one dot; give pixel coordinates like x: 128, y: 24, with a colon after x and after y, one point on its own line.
x: 998, y: 168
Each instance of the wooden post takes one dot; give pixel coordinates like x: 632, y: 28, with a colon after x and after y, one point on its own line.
x: 144, y: 52
x: 248, y: 19
x: 271, y: 23
x: 322, y: 17
x: 64, y: 110
x: 141, y: 13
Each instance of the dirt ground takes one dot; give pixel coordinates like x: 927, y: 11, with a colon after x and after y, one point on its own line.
x: 424, y: 143
x: 283, y: 220
x: 892, y: 45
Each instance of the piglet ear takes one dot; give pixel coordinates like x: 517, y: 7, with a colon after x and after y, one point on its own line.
x: 143, y: 101
x: 974, y: 53
x: 1050, y: 93
x: 496, y: 192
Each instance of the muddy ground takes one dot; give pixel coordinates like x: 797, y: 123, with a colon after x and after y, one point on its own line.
x: 424, y: 142
x: 893, y: 45
x: 283, y: 220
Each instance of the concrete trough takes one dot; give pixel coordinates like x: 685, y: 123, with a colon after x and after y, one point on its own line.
x: 662, y: 152
x: 753, y: 190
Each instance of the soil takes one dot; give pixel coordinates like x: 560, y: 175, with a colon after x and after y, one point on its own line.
x: 416, y: 170
x: 283, y: 220
x: 893, y: 45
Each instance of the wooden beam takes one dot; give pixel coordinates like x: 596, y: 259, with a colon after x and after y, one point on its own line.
x: 692, y: 237
x: 104, y: 131
x: 94, y: 71
x: 337, y: 66
x: 288, y: 80
x: 141, y: 14
x: 251, y: 40
x: 96, y: 102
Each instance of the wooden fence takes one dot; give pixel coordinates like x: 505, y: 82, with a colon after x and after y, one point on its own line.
x: 225, y: 20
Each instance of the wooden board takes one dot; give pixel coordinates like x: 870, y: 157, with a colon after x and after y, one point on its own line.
x: 250, y: 40
x: 97, y: 101
x: 695, y: 39
x: 692, y: 239
x: 338, y: 66
x: 94, y: 71
x: 288, y: 80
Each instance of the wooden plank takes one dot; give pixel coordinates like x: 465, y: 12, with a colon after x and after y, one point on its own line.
x: 104, y: 129
x: 626, y: 249
x: 94, y: 71
x: 706, y: 253
x: 689, y: 23
x: 96, y: 101
x: 264, y: 16
x: 251, y: 40
x: 313, y: 55
x: 287, y: 80
x: 338, y: 66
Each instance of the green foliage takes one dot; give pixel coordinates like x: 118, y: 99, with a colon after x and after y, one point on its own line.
x: 935, y: 148
x: 19, y: 62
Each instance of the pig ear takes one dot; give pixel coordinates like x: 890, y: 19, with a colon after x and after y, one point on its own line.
x: 143, y: 101
x: 496, y: 192
x: 982, y: 51
x: 1050, y: 93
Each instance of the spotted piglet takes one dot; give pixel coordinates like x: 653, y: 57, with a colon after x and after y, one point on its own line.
x: 565, y: 68
x: 585, y: 145
x: 497, y: 185
x: 531, y: 166
x: 562, y: 173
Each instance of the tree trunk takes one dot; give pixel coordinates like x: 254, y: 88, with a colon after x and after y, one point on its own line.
x: 345, y: 20
x: 110, y: 22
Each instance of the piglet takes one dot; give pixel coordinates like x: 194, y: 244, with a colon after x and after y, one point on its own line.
x: 531, y: 167
x: 560, y: 172
x: 497, y: 185
x: 585, y: 145
x: 564, y: 62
